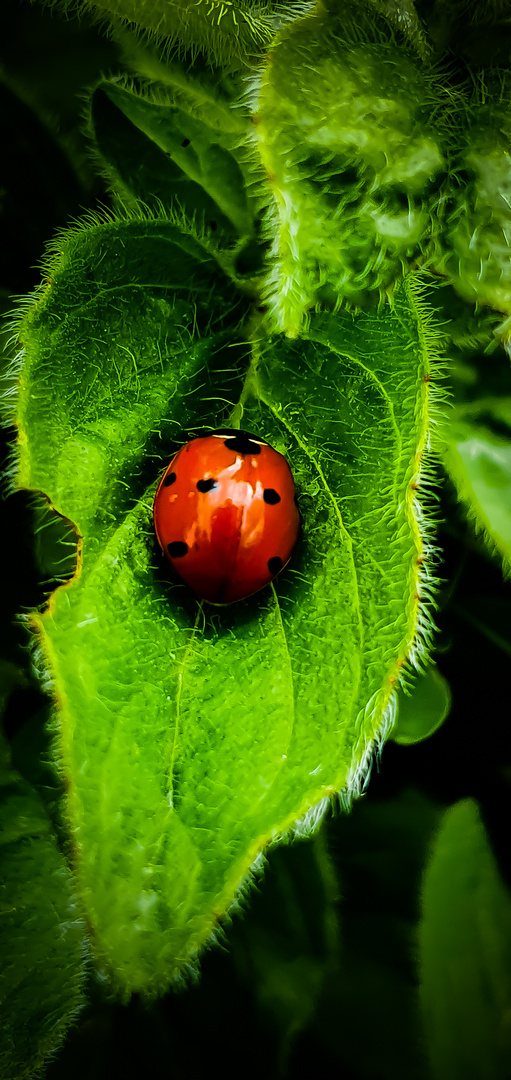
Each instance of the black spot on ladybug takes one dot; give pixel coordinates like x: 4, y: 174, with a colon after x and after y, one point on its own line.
x: 206, y: 485
x: 177, y: 549
x: 225, y: 432
x: 271, y: 496
x: 275, y: 564
x: 185, y: 142
x: 169, y: 479
x: 242, y: 443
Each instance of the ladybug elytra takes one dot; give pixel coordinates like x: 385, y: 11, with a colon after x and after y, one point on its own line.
x: 225, y: 515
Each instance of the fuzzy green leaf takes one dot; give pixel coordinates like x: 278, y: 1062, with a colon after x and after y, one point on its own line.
x: 478, y: 460
x: 228, y: 32
x: 423, y: 710
x: 465, y: 953
x: 190, y: 737
x: 41, y: 934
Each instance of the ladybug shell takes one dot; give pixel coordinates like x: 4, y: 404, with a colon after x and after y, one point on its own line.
x: 225, y: 515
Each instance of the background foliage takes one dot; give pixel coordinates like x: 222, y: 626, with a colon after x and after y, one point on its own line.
x: 381, y: 947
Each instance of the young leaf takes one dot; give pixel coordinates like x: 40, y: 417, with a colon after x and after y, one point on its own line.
x: 189, y: 738
x: 465, y: 953
x: 475, y: 237
x: 41, y: 934
x: 345, y: 129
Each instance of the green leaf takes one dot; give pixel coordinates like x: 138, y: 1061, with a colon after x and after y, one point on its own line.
x: 344, y: 126
x: 159, y: 150
x: 191, y: 737
x: 423, y: 710
x: 465, y: 953
x: 41, y: 934
x: 478, y: 461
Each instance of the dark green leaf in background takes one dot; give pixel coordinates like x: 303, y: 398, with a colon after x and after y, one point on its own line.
x: 369, y: 1012
x: 421, y: 711
x: 42, y: 943
x: 287, y: 949
x: 161, y: 151
x: 477, y: 455
x: 465, y: 953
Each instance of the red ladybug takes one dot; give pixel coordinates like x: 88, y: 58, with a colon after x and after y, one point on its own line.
x: 225, y: 515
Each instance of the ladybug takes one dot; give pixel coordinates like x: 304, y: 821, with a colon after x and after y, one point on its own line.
x: 225, y: 515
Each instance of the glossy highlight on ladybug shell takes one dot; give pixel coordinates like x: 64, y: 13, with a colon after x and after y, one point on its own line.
x: 225, y: 515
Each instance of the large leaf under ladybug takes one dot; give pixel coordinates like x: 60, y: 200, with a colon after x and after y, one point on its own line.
x: 191, y: 736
